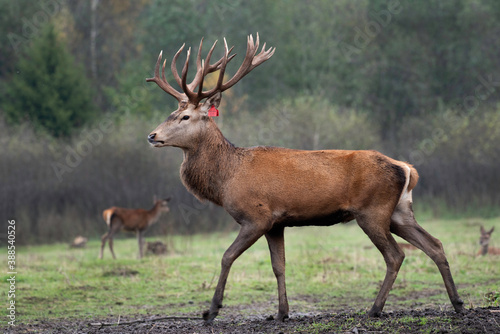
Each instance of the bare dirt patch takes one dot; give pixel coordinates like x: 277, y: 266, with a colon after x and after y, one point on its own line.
x: 478, y: 320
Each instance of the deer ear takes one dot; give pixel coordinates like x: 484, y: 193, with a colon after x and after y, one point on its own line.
x: 492, y: 229
x: 213, y: 100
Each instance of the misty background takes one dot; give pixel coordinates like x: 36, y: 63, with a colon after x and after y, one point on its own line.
x: 417, y: 81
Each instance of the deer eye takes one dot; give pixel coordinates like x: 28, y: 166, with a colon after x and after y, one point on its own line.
x: 185, y: 118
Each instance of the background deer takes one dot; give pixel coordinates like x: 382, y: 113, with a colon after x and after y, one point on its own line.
x: 484, y: 241
x: 266, y: 189
x: 134, y: 220
x: 79, y: 242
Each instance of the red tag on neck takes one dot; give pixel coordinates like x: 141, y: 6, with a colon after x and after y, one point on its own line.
x: 213, y: 112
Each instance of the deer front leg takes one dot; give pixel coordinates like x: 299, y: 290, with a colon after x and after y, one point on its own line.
x: 276, y: 242
x: 140, y: 241
x: 247, y: 236
x: 378, y: 232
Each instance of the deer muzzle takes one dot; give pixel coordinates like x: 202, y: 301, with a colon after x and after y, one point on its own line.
x: 152, y: 140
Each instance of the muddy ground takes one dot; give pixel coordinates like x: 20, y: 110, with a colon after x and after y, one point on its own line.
x: 477, y: 320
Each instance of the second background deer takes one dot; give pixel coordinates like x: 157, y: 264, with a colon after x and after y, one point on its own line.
x: 133, y: 220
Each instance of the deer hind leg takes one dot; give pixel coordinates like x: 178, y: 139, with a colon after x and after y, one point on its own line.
x: 276, y: 242
x: 403, y: 224
x: 110, y: 242
x: 108, y: 236
x: 115, y: 227
x: 248, y: 235
x: 377, y: 230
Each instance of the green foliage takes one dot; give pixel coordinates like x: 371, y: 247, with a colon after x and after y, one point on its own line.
x: 458, y: 157
x: 49, y: 89
x: 17, y: 27
x: 133, y: 96
x: 318, y: 125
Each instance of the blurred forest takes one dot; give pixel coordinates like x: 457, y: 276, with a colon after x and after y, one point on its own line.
x: 416, y: 80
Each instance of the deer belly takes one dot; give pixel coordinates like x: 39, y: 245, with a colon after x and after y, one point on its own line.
x: 129, y: 229
x: 339, y: 216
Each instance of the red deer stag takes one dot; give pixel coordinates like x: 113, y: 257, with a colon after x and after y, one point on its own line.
x: 266, y: 189
x: 134, y: 220
x: 484, y: 241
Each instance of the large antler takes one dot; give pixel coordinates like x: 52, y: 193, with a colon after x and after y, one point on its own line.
x: 203, y: 68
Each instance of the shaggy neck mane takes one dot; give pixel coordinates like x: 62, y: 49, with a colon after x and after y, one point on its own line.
x: 208, y: 164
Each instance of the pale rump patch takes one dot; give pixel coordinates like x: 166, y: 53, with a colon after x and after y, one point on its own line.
x: 405, y: 194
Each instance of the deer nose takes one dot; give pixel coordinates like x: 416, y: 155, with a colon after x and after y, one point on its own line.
x: 151, y: 137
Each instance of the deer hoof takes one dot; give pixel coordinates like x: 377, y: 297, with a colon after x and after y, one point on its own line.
x: 281, y: 317
x: 209, y: 317
x: 459, y: 306
x: 374, y: 313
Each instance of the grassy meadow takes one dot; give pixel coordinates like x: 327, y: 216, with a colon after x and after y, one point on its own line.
x: 329, y: 269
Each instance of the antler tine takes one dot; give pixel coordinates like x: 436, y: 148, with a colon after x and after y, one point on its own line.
x: 216, y: 65
x: 202, y: 69
x: 209, y: 68
x: 262, y: 56
x: 163, y: 77
x: 219, y: 65
x: 199, y: 69
x: 256, y: 47
x: 173, y: 67
x: 193, y: 97
x: 223, y: 65
x: 198, y: 58
x: 250, y: 62
x: 162, y: 83
x: 206, y: 69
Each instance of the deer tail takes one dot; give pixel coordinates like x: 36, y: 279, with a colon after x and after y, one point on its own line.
x: 413, y: 177
x: 108, y: 216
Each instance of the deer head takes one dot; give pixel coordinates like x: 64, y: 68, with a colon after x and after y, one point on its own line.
x: 186, y: 125
x: 162, y: 204
x: 484, y: 240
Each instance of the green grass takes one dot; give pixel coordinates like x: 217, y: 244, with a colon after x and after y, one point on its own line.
x: 329, y: 269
